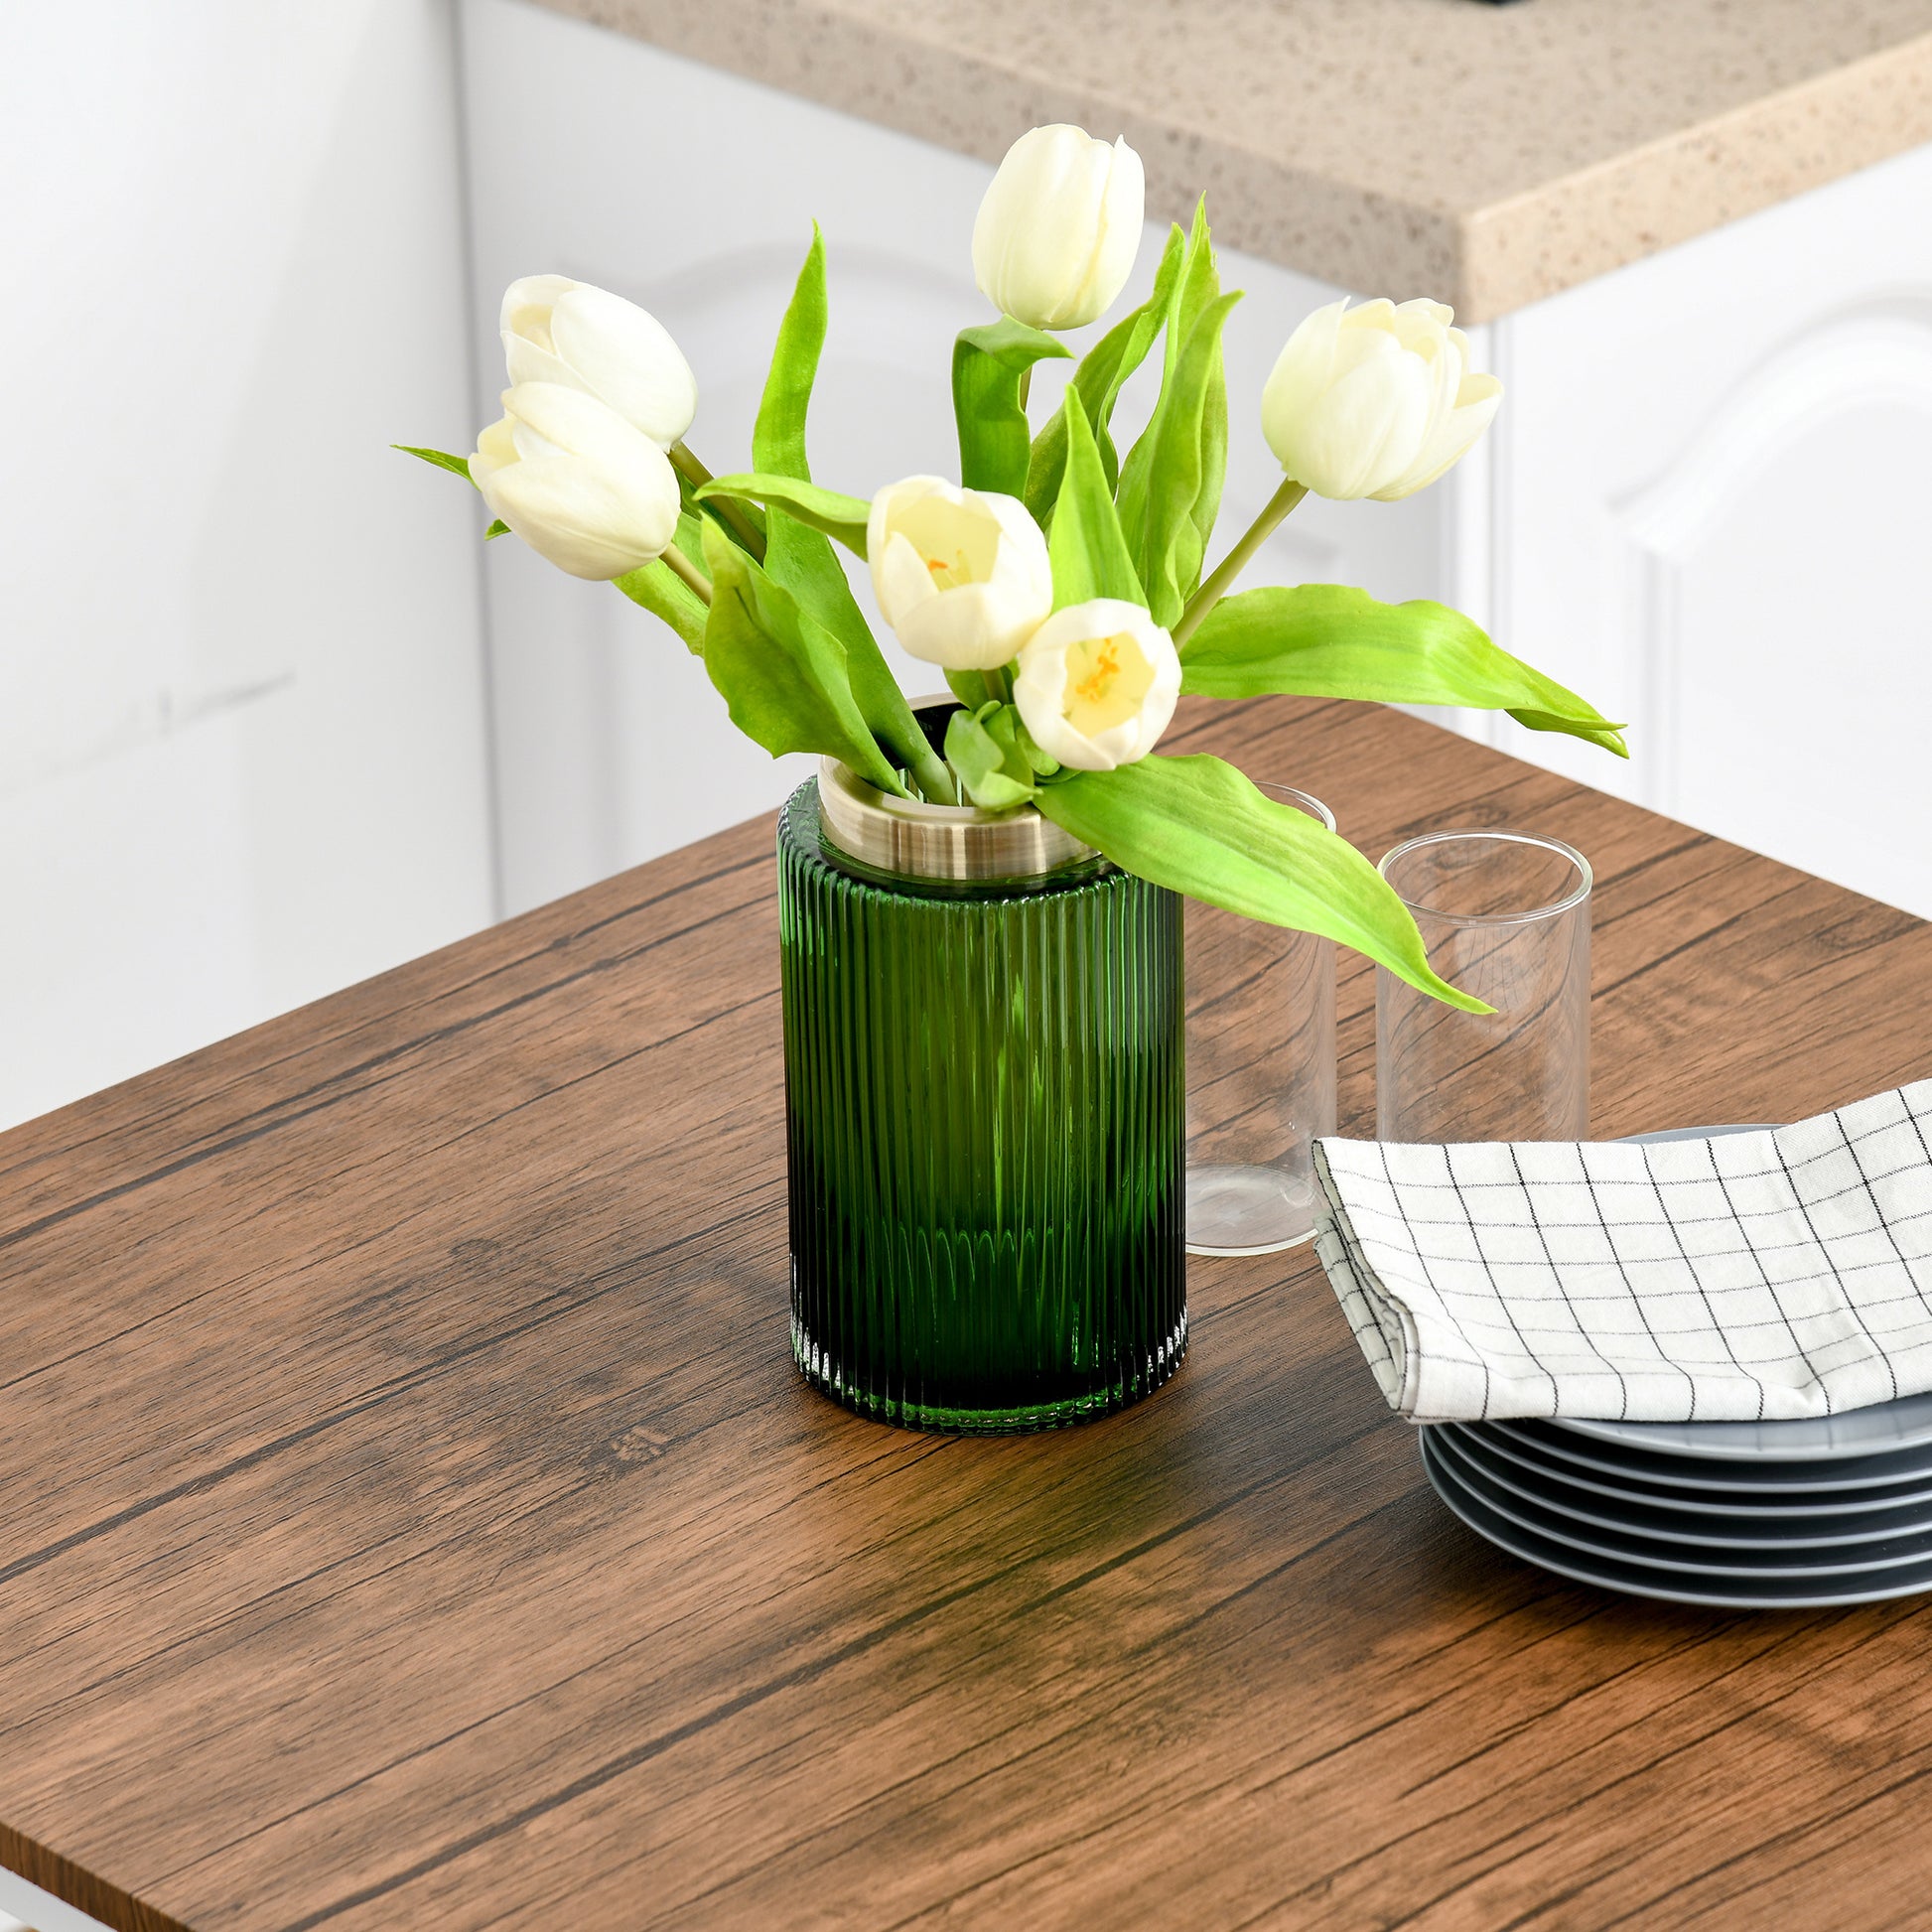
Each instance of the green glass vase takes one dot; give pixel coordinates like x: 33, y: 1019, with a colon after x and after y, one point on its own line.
x: 985, y: 1111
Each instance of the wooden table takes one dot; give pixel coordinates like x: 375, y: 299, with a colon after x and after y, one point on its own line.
x: 413, y: 1518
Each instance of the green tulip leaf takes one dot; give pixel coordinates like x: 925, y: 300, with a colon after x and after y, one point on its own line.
x: 497, y: 528
x: 658, y: 589
x: 1169, y: 520
x: 1200, y: 284
x: 1042, y: 764
x: 973, y: 688
x: 990, y: 364
x: 1089, y: 554
x: 1025, y: 760
x: 1103, y: 371
x: 1171, y: 485
x: 1198, y: 826
x: 456, y: 466
x: 981, y: 747
x: 1328, y: 641
x: 746, y: 529
x: 799, y: 557
x: 829, y: 511
x: 1190, y: 553
x: 781, y: 673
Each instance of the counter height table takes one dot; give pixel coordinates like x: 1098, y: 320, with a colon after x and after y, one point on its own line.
x: 413, y: 1519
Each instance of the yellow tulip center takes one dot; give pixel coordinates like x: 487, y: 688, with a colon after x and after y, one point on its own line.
x: 1107, y: 682
x: 957, y: 543
x: 949, y: 575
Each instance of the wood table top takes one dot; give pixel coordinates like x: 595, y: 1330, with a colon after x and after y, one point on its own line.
x: 413, y: 1517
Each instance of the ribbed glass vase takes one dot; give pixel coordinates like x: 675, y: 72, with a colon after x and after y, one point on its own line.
x: 986, y: 1118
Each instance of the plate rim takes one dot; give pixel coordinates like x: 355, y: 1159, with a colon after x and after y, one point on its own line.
x: 1480, y: 1455
x: 1598, y: 1429
x: 1710, y: 1474
x: 1641, y: 1585
x: 1687, y: 1565
x: 1733, y: 1502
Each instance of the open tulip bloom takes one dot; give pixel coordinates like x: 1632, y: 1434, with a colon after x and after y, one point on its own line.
x: 1059, y: 584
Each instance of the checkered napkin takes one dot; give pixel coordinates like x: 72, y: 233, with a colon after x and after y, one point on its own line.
x: 1757, y: 1276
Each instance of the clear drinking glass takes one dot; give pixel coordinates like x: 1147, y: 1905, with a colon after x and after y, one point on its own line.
x: 1261, y: 1072
x: 1504, y: 915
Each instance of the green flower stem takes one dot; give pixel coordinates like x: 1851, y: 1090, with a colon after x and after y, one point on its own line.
x: 747, y: 533
x: 1237, y: 559
x: 939, y: 785
x: 689, y: 571
x: 999, y: 685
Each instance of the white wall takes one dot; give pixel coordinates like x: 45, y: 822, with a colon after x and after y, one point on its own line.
x: 242, y: 755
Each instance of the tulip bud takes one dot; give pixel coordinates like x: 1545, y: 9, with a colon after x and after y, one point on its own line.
x: 576, y: 481
x: 1097, y: 684
x: 559, y: 331
x: 961, y: 575
x: 1375, y: 401
x: 1056, y: 234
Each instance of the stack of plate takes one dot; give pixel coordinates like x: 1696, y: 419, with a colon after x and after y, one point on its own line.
x: 1744, y: 1515
x: 1750, y: 1515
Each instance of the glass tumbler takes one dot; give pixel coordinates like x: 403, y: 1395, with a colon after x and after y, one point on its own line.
x: 1504, y: 915
x: 1261, y: 1072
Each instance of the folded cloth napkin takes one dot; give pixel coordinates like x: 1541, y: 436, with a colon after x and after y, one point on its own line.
x: 1757, y: 1276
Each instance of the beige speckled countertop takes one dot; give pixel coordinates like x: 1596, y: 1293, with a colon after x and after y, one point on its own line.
x: 1489, y: 155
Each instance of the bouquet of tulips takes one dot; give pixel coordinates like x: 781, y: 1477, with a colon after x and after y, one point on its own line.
x: 1059, y: 585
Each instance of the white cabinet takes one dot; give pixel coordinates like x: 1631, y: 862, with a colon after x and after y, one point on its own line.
x: 1702, y: 504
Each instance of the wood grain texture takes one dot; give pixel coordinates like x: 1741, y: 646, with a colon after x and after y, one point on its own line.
x: 412, y: 1517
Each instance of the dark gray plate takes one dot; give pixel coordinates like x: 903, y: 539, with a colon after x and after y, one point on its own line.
x: 1712, y: 1477
x: 1632, y: 1580
x: 1569, y: 1480
x: 1664, y: 1522
x: 1683, y: 1559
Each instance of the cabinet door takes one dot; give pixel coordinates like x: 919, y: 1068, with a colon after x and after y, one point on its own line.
x: 1711, y: 515
x: 694, y: 193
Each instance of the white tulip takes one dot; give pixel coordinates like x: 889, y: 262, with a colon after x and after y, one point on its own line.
x: 559, y: 331
x: 961, y: 575
x: 1097, y: 684
x: 1056, y: 234
x: 1375, y: 401
x: 576, y: 481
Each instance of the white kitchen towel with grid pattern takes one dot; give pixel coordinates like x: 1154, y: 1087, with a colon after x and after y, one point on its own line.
x: 1753, y: 1277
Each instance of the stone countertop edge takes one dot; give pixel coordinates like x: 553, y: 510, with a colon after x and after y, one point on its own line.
x: 1487, y: 253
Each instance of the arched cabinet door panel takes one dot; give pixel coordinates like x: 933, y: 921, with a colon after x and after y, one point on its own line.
x: 1707, y: 513
x: 1777, y: 583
